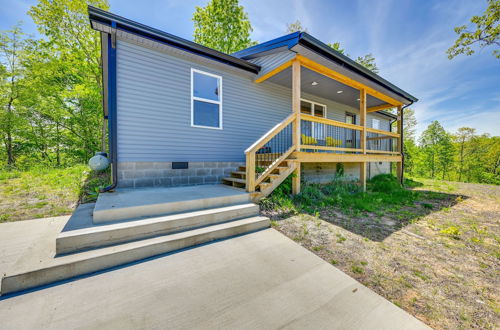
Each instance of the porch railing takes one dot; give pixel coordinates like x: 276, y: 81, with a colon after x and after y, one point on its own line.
x: 381, y: 142
x: 318, y: 135
x: 326, y: 135
x: 269, y: 151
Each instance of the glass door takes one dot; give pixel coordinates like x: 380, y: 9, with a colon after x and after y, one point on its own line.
x: 350, y: 139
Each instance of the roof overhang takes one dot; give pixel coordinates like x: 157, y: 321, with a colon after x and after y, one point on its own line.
x: 99, y: 18
x: 304, y: 44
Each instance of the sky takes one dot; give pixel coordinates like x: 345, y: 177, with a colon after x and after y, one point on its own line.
x: 408, y: 39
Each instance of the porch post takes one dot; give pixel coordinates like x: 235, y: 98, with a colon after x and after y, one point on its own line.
x: 296, y: 110
x: 399, y: 165
x: 362, y: 111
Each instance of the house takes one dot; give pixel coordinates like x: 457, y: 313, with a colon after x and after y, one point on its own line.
x: 183, y: 114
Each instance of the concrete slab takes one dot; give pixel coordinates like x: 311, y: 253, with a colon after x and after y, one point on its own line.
x: 125, y: 204
x: 260, y: 281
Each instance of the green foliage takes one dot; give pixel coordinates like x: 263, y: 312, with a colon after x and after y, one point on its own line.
x: 337, y: 47
x: 50, y: 87
x: 383, y: 191
x: 368, y: 61
x: 295, y: 27
x: 437, y: 149
x: 451, y: 231
x: 222, y: 25
x: 485, y: 33
x: 385, y: 183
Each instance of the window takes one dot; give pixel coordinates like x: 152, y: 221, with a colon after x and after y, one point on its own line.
x: 315, y: 130
x: 206, y: 100
x: 375, y: 123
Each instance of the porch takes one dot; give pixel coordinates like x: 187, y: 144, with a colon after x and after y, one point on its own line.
x: 307, y: 135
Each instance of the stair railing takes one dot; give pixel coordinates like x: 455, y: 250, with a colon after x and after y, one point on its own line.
x: 264, y: 156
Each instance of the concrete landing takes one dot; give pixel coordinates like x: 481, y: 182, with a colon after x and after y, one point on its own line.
x: 261, y: 280
x: 124, y: 204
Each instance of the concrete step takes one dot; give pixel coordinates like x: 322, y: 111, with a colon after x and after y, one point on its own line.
x: 104, y: 235
x: 124, y: 204
x: 49, y: 269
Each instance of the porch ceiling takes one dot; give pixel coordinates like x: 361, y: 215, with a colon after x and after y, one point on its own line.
x: 326, y: 87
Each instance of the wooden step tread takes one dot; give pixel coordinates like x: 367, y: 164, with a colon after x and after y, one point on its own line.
x: 234, y: 180
x: 239, y: 172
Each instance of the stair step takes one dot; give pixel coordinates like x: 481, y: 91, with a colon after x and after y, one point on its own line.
x: 105, y: 235
x: 242, y: 168
x: 124, y: 204
x: 243, y: 181
x: 68, y: 266
x: 239, y: 173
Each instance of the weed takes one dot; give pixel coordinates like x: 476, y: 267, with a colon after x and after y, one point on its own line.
x: 357, y: 269
x: 427, y: 206
x: 364, y: 263
x: 340, y: 238
x: 334, y: 262
x: 451, y: 231
x: 318, y: 248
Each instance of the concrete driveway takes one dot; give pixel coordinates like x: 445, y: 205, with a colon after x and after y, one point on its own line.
x: 261, y: 280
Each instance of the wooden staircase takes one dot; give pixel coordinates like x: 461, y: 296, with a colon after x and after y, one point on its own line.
x: 267, y: 185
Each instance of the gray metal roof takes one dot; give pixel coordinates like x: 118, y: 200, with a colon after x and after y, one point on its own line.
x: 105, y: 17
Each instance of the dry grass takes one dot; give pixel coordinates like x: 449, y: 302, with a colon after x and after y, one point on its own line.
x: 438, y: 259
x: 46, y: 192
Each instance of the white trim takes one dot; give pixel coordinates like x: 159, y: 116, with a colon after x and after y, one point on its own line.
x: 195, y: 98
x: 313, y: 103
x: 313, y: 113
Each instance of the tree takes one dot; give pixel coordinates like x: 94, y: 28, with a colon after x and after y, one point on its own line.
x: 337, y: 47
x: 11, y: 54
x: 486, y: 32
x: 368, y: 61
x: 295, y: 27
x: 409, y: 124
x: 462, y: 138
x: 222, y: 25
x: 436, y: 148
x: 68, y: 70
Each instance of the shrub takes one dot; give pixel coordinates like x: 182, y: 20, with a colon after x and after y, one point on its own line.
x: 385, y: 183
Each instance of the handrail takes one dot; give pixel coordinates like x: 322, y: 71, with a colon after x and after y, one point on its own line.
x: 379, y: 131
x: 330, y: 122
x: 270, y: 134
x: 268, y: 159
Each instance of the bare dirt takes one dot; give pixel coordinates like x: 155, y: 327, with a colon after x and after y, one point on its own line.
x: 439, y: 259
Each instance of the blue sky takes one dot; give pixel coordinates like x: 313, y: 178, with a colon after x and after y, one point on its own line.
x: 408, y: 39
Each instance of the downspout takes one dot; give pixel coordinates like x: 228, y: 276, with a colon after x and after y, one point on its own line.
x: 112, y: 122
x: 402, y: 143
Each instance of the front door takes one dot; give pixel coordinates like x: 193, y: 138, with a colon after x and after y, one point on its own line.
x: 350, y: 140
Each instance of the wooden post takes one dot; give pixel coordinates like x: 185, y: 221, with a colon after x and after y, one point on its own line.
x: 362, y: 112
x: 250, y: 171
x: 362, y: 175
x: 296, y: 101
x: 296, y: 179
x: 296, y: 110
x: 399, y: 165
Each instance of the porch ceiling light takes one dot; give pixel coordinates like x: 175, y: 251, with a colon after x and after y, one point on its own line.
x: 314, y: 83
x: 339, y: 92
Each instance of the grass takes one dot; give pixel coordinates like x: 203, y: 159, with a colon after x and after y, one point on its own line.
x: 433, y: 249
x: 46, y: 192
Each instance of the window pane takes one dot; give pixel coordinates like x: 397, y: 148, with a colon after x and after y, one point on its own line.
x: 206, y: 87
x: 306, y: 107
x: 319, y: 110
x: 205, y: 114
x: 375, y: 123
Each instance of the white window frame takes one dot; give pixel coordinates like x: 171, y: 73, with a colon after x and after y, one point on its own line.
x: 313, y: 113
x: 312, y: 107
x: 195, y: 98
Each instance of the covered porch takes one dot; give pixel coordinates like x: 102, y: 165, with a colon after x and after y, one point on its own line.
x: 310, y: 135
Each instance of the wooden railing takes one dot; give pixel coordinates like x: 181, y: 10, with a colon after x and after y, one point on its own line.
x: 381, y: 142
x: 269, y: 151
x: 316, y: 135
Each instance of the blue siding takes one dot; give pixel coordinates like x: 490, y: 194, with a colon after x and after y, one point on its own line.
x: 154, y: 110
